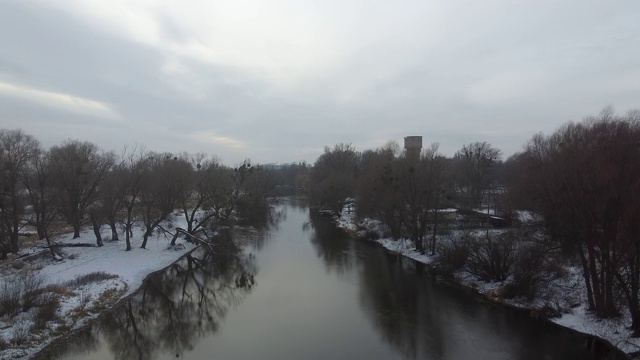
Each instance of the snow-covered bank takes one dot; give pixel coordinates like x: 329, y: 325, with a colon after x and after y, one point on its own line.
x: 563, y: 296
x: 114, y: 274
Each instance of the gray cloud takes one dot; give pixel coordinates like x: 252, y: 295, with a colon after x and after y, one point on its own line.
x: 276, y: 82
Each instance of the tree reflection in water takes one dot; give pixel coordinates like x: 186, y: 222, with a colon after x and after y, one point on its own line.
x: 331, y: 243
x: 174, y: 309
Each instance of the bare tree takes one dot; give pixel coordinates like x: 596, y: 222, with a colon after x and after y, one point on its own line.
x: 334, y: 176
x: 379, y: 194
x: 133, y: 170
x: 476, y: 164
x: 418, y: 180
x: 16, y: 151
x: 111, y: 197
x: 79, y: 169
x: 584, y: 179
x: 164, y: 183
x: 43, y: 197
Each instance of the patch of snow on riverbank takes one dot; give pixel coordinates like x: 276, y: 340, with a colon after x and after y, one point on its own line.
x: 85, y: 301
x: 566, y: 294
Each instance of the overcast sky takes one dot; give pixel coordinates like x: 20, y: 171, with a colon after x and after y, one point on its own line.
x: 277, y: 80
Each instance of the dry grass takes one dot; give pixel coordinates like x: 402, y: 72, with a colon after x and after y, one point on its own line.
x: 90, y: 278
x: 45, y: 314
x: 107, y: 299
x: 20, y: 333
x: 10, y: 299
x: 45, y: 296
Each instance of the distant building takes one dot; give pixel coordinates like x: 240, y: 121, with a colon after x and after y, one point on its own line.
x: 413, y: 146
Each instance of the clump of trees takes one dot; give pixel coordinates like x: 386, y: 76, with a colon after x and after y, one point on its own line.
x: 583, y: 180
x: 78, y: 184
x: 404, y: 193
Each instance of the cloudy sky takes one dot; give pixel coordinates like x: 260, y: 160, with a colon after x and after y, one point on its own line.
x: 277, y: 80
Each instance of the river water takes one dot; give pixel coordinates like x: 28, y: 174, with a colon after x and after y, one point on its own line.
x: 304, y: 290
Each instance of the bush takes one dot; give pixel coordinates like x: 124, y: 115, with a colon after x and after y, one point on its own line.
x: 20, y: 333
x: 10, y: 299
x: 370, y: 234
x: 31, y: 282
x: 528, y: 274
x: 45, y: 314
x: 44, y: 296
x: 453, y: 254
x: 492, y: 258
x: 90, y: 278
x: 4, y: 345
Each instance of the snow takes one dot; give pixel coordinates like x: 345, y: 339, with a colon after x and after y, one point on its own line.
x: 528, y: 217
x: 406, y: 248
x: 129, y: 267
x: 566, y: 294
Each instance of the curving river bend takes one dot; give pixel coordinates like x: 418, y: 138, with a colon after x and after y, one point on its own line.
x: 307, y: 291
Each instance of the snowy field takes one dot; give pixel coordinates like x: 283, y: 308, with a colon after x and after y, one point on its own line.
x: 566, y: 295
x: 120, y: 273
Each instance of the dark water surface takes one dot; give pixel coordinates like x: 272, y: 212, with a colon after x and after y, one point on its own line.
x: 306, y: 291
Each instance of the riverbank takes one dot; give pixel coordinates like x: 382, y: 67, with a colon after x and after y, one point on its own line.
x: 561, y: 301
x: 77, y: 288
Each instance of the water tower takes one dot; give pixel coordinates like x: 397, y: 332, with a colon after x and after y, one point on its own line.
x: 413, y: 146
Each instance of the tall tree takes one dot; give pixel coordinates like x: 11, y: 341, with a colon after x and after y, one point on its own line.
x: 419, y: 180
x: 475, y: 164
x: 133, y: 169
x: 334, y: 176
x: 43, y: 196
x: 79, y: 169
x: 584, y: 179
x: 379, y: 194
x: 164, y: 183
x: 16, y: 151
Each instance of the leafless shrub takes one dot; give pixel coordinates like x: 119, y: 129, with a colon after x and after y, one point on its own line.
x: 453, y: 253
x: 46, y: 313
x: 528, y: 274
x: 10, y: 299
x: 491, y: 259
x: 31, y: 282
x: 370, y: 235
x: 44, y: 296
x: 20, y: 333
x: 86, y: 300
x: 4, y: 345
x: 90, y: 278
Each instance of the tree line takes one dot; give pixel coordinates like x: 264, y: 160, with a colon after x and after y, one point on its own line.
x: 406, y: 192
x: 582, y: 180
x: 77, y: 184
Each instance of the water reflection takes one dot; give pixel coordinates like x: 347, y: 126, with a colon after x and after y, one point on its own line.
x: 332, y: 245
x: 423, y: 319
x: 173, y: 311
x: 321, y: 296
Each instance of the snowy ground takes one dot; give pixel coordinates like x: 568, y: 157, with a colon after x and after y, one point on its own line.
x: 84, y: 301
x: 566, y: 294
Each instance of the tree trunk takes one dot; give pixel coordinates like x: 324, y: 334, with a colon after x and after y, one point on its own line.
x: 435, y: 226
x: 128, y: 237
x: 145, y: 237
x: 175, y: 237
x: 41, y: 232
x: 14, y: 242
x: 114, y: 230
x: 127, y: 228
x: 96, y: 229
x: 587, y: 279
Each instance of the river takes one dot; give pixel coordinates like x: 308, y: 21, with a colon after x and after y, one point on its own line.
x: 304, y: 290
